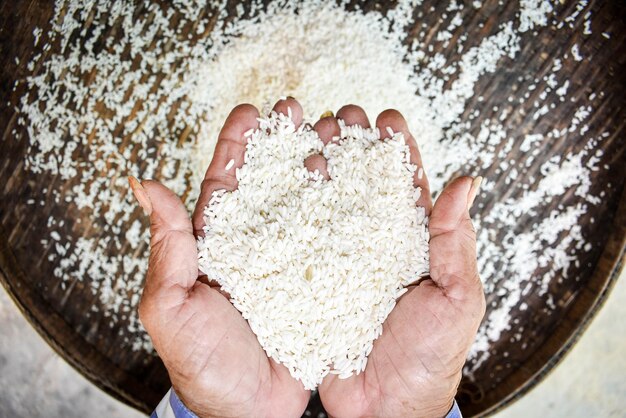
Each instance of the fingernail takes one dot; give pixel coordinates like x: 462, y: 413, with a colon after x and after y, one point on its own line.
x: 473, y: 191
x: 328, y: 113
x: 140, y: 195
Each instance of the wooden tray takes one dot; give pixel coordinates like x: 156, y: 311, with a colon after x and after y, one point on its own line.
x: 86, y: 342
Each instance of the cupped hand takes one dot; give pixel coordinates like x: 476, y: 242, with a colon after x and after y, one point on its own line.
x: 415, y: 366
x: 217, y: 366
x: 214, y: 361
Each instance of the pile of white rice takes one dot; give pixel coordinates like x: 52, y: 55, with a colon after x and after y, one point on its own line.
x: 316, y: 265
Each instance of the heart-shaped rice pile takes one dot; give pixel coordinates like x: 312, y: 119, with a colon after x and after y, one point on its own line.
x: 316, y: 265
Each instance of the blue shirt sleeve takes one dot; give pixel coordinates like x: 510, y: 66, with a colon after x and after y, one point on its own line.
x: 180, y: 410
x: 172, y: 407
x: 455, y: 412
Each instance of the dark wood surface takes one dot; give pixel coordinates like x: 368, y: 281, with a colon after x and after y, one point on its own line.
x: 85, y: 340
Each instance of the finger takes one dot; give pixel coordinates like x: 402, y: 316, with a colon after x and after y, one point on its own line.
x: 317, y: 162
x: 231, y: 145
x: 173, y: 264
x: 290, y: 107
x: 394, y: 120
x: 327, y: 128
x: 353, y: 115
x: 453, y: 241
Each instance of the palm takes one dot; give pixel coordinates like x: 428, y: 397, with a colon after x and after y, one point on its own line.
x: 211, y: 353
x: 418, y: 359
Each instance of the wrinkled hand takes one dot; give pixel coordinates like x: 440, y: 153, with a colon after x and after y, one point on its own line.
x: 415, y: 366
x: 214, y: 361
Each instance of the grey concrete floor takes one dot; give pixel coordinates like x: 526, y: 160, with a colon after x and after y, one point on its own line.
x: 590, y: 382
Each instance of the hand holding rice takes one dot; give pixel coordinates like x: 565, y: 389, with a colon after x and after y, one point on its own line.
x: 315, y: 266
x: 314, y: 258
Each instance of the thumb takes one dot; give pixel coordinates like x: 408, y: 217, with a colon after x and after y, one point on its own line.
x: 173, y: 265
x: 453, y: 240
